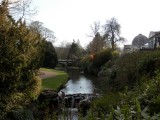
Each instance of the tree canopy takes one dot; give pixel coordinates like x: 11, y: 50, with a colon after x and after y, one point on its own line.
x: 75, y: 50
x: 45, y: 33
x: 49, y: 59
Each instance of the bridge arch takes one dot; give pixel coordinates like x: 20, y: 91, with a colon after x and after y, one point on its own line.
x: 65, y: 62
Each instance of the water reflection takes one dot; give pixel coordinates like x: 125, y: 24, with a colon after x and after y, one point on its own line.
x: 79, y: 84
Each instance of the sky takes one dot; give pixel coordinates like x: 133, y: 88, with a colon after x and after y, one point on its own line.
x: 71, y: 19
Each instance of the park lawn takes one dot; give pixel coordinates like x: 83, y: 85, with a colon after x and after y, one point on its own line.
x: 56, y: 81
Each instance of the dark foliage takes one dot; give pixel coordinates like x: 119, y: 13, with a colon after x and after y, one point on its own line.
x: 19, y: 61
x: 128, y: 69
x: 93, y: 63
x: 50, y: 57
x: 135, y: 80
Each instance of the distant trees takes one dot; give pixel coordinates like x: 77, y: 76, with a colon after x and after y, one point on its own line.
x: 112, y: 32
x: 102, y: 47
x: 20, y: 51
x: 45, y: 33
x: 97, y: 43
x: 110, y: 36
x: 95, y: 27
x: 75, y: 50
x: 49, y: 59
x: 21, y: 8
x: 49, y: 56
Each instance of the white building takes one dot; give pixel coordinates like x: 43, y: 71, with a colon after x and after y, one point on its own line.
x: 154, y: 40
x: 139, y: 42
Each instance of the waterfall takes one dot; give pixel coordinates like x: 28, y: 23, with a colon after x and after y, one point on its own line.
x: 72, y: 103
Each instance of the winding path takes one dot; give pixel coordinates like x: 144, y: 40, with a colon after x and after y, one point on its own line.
x: 46, y: 74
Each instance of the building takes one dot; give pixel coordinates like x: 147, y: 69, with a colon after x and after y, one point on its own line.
x: 127, y: 48
x: 154, y: 40
x: 139, y: 42
x: 142, y: 42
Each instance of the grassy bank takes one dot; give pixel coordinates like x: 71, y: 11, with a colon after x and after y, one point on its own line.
x: 58, y: 80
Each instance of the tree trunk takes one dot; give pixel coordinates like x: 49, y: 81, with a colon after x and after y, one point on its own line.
x: 112, y: 44
x: 112, y: 41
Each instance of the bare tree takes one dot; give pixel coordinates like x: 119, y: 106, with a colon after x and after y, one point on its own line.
x: 112, y: 32
x: 65, y: 44
x: 98, y: 42
x: 48, y: 34
x: 20, y: 8
x: 36, y: 26
x: 45, y: 33
x: 94, y: 29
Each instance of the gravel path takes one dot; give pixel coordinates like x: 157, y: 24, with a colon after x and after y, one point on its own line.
x: 46, y: 74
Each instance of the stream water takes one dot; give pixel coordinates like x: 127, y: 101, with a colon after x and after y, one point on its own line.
x: 78, y: 84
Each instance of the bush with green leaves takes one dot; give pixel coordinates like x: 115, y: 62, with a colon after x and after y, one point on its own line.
x: 104, y: 105
x: 93, y: 65
x: 85, y: 64
x: 102, y: 57
x: 21, y: 114
x: 140, y: 103
x: 128, y: 69
x: 20, y: 51
x: 136, y: 78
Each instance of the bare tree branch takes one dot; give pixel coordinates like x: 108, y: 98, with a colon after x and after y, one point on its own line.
x: 112, y: 32
x: 21, y: 8
x: 46, y: 33
x: 94, y: 29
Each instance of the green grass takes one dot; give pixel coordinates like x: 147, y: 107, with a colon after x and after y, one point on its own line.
x: 55, y: 82
x: 52, y: 70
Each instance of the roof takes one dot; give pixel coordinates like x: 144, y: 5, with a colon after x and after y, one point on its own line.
x: 153, y: 34
x: 140, y: 40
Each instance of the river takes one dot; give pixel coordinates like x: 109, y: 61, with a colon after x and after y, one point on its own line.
x: 79, y: 83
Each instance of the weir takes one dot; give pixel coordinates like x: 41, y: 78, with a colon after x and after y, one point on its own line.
x: 79, y: 92
x: 73, y: 100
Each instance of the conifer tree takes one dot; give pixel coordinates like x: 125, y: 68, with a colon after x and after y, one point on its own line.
x: 19, y: 60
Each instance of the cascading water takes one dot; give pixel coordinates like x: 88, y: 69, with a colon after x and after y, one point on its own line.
x: 79, y: 87
x: 72, y: 103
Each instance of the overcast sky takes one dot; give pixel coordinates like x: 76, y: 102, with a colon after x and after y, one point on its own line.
x: 70, y: 19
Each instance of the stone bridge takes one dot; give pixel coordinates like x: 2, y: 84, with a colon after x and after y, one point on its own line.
x: 65, y: 61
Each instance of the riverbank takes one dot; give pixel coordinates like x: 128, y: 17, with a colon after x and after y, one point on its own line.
x: 53, y: 79
x: 79, y: 93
